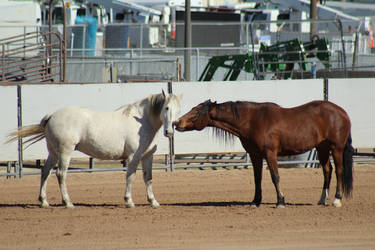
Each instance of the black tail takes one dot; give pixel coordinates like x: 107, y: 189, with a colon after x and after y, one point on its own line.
x: 347, y: 177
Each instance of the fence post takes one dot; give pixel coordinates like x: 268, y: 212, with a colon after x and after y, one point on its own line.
x: 171, y: 138
x: 325, y: 89
x: 343, y: 45
x: 91, y: 163
x: 198, y: 64
x: 187, y: 42
x: 9, y: 168
x: 141, y: 40
x: 19, y: 121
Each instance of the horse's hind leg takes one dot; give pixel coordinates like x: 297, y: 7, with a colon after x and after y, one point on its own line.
x: 63, y: 164
x: 338, y: 159
x: 323, y: 155
x: 147, y: 177
x: 272, y: 164
x: 45, y: 173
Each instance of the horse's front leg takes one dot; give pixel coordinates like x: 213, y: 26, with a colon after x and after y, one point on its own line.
x: 147, y: 177
x: 271, y: 158
x: 258, y: 172
x: 130, y: 175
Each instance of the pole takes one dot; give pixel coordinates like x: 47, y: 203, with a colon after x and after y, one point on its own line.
x: 313, y: 16
x: 49, y: 56
x: 19, y: 123
x: 325, y: 89
x: 171, y: 138
x: 187, y: 56
x: 64, y: 42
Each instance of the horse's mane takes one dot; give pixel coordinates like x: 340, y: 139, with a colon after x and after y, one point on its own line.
x: 155, y: 103
x: 233, y: 107
x: 222, y: 135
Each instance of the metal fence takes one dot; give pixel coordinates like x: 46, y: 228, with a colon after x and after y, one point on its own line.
x: 31, y: 57
x: 203, y: 161
x: 131, y: 49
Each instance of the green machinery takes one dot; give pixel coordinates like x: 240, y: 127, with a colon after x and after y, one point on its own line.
x: 234, y: 64
x: 279, y: 58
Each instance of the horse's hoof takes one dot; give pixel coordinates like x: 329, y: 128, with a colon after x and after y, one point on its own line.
x: 280, y: 206
x: 322, y: 203
x: 69, y: 206
x: 254, y: 205
x: 155, y: 204
x: 129, y: 202
x: 129, y: 205
x: 44, y: 205
x: 337, y: 203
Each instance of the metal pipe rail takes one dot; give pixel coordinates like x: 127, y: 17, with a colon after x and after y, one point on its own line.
x: 32, y: 57
x: 167, y: 166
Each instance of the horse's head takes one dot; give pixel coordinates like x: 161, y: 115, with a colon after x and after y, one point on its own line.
x: 196, y: 119
x: 169, y: 112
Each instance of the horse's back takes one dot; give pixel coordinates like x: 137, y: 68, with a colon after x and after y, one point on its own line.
x: 71, y: 119
x: 325, y: 112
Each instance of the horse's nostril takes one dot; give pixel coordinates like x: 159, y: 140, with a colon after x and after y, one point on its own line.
x: 176, y: 123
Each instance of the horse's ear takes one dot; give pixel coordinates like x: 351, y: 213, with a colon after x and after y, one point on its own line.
x: 162, y: 91
x: 210, y: 102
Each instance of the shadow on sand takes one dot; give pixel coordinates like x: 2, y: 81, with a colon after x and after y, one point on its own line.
x: 229, y: 204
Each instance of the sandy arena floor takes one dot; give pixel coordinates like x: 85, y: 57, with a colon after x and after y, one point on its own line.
x: 199, y: 210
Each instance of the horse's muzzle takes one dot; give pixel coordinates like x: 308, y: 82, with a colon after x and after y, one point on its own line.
x: 177, y: 126
x: 168, y: 133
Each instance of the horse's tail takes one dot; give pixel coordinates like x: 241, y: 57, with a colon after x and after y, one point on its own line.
x: 35, y: 130
x: 347, y: 177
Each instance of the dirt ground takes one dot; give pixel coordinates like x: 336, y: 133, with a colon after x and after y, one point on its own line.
x: 200, y: 209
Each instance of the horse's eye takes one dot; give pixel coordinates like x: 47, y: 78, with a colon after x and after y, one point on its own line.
x: 166, y: 108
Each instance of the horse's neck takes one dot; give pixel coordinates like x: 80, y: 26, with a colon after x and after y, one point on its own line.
x: 150, y: 117
x: 142, y: 112
x: 227, y: 121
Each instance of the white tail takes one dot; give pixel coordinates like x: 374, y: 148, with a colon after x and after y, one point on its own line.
x: 35, y: 130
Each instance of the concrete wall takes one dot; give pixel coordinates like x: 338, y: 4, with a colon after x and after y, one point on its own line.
x: 357, y: 97
x: 353, y: 95
x: 8, y: 121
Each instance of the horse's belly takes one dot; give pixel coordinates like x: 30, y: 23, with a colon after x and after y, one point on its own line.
x: 295, y: 148
x: 102, y: 151
x: 291, y: 152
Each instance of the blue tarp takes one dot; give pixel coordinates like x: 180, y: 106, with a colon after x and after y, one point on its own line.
x: 90, y: 34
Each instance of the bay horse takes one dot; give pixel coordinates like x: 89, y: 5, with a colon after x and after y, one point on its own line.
x: 125, y: 134
x: 267, y: 130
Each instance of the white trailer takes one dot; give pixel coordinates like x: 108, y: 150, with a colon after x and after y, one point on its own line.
x: 16, y: 17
